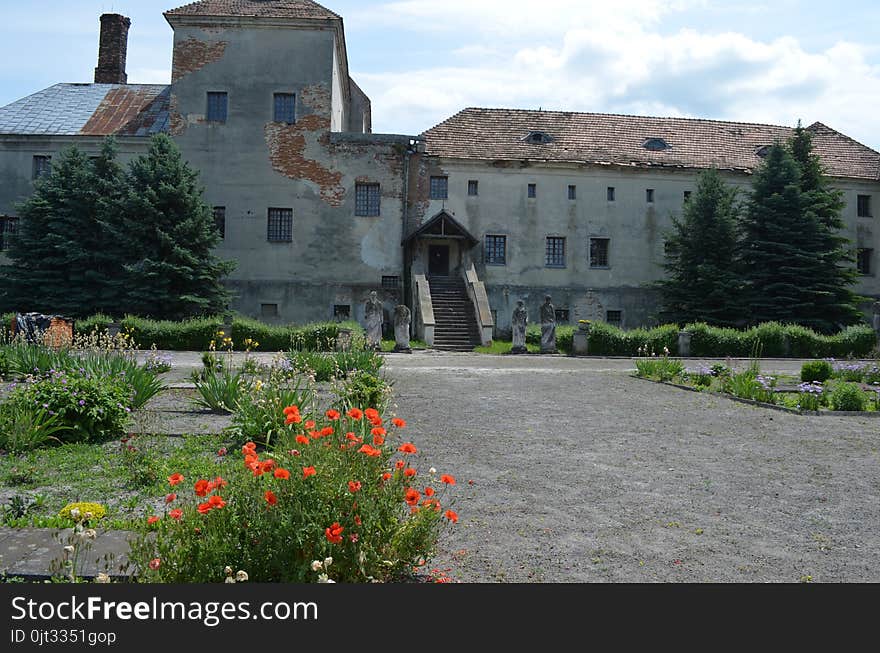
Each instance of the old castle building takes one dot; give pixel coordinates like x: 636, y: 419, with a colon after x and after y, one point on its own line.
x: 488, y: 207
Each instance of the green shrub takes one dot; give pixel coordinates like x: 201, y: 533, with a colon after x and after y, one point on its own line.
x: 218, y: 390
x: 661, y: 368
x: 24, y: 427
x: 93, y: 408
x: 4, y: 363
x: 93, y: 323
x: 750, y: 384
x: 259, y: 412
x: 819, y: 371
x: 363, y: 390
x: 336, y: 365
x: 190, y: 335
x: 847, y: 396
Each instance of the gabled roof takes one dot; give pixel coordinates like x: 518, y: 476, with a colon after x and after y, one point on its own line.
x: 608, y: 139
x: 442, y: 225
x: 90, y: 110
x: 255, y: 8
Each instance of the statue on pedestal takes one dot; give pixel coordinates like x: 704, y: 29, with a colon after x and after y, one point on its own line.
x: 548, y: 327
x: 402, y: 319
x: 373, y: 318
x: 519, y: 323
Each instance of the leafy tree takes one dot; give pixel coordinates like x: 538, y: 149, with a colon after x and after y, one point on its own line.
x: 780, y: 240
x: 169, y: 233
x: 702, y: 283
x: 835, y: 303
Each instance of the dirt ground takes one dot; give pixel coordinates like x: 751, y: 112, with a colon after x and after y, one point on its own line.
x: 570, y: 470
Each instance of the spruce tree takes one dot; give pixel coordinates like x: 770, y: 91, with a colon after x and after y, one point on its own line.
x: 170, y: 234
x: 836, y: 305
x: 702, y: 284
x: 779, y: 244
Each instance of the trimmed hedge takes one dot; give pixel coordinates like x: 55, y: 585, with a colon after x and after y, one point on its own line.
x: 320, y: 336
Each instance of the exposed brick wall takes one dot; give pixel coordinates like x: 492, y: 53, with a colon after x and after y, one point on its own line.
x: 112, y: 50
x: 192, y: 55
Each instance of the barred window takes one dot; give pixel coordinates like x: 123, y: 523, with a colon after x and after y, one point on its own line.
x: 42, y: 166
x: 341, y: 312
x: 572, y: 192
x: 439, y: 188
x: 220, y: 220
x: 649, y: 195
x: 599, y: 252
x: 473, y: 187
x: 366, y: 199
x: 285, y: 104
x: 8, y: 229
x: 687, y: 195
x: 562, y: 315
x: 280, y: 226
x: 217, y: 106
x: 533, y: 190
x: 555, y: 252
x: 268, y: 310
x: 864, y: 206
x: 610, y: 194
x: 863, y: 262
x: 495, y: 250
x: 391, y: 282
x: 614, y: 317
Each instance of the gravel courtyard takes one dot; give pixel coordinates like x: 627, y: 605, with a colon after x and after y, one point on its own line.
x: 570, y: 470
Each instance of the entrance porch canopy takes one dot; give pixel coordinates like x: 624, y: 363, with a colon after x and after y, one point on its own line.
x: 442, y: 226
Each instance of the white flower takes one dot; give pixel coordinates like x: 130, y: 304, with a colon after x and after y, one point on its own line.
x: 227, y: 570
x: 229, y: 579
x: 69, y: 549
x: 74, y: 514
x: 316, y: 565
x: 328, y: 562
x: 91, y: 534
x: 88, y: 515
x: 241, y: 576
x: 433, y: 470
x: 102, y: 578
x: 324, y: 578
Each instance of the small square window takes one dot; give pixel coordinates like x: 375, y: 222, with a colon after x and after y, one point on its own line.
x: 285, y: 108
x: 391, y: 282
x: 533, y: 191
x: 341, y: 312
x: 687, y: 195
x: 220, y: 220
x: 864, y: 206
x: 473, y: 187
x: 863, y: 261
x: 439, y: 188
x: 614, y: 317
x: 367, y: 198
x: 8, y: 229
x: 562, y: 315
x: 42, y: 166
x: 599, y: 252
x: 495, y: 250
x: 217, y: 107
x: 649, y: 195
x: 268, y: 310
x: 555, y: 252
x: 610, y: 194
x: 280, y: 226
x: 572, y: 192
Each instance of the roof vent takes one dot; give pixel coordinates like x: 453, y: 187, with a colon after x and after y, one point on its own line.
x: 537, y: 138
x: 656, y: 145
x: 762, y: 150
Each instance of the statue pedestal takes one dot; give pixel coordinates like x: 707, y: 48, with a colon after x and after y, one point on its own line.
x: 580, y: 341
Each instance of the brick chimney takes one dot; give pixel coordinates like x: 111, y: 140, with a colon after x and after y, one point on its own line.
x: 112, y: 50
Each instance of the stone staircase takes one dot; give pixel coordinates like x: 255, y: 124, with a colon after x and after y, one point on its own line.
x: 455, y: 325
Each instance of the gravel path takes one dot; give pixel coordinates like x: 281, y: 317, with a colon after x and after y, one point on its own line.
x: 581, y: 473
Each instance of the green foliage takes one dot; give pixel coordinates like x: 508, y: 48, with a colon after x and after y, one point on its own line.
x: 702, y: 282
x: 363, y: 389
x: 220, y: 390
x: 816, y: 371
x: 93, y: 323
x: 847, y: 396
x: 93, y: 408
x: 188, y: 335
x: 319, y: 336
x: 564, y: 336
x: 336, y: 365
x: 660, y: 368
x: 4, y: 363
x: 802, y: 342
x: 750, y: 384
x: 24, y: 427
x: 259, y: 412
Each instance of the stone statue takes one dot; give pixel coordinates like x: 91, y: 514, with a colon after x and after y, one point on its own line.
x: 519, y: 322
x: 402, y: 318
x: 373, y: 317
x: 548, y: 327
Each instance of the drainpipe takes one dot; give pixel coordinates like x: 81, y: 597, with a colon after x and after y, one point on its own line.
x: 407, y: 267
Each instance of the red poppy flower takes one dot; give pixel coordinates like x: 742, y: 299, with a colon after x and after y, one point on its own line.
x: 155, y: 563
x: 378, y: 440
x: 267, y: 465
x: 408, y: 447
x: 409, y: 472
x: 376, y: 421
x: 368, y: 450
x: 310, y: 424
x: 378, y: 430
x: 177, y: 513
x: 353, y: 438
x: 291, y: 410
x: 386, y: 476
x: 399, y: 423
x: 202, y: 487
x: 357, y: 520
x: 282, y: 474
x: 371, y: 413
x: 205, y: 508
x: 355, y: 413
x: 174, y: 479
x: 301, y: 439
x: 216, y: 501
x: 399, y: 464
x: 332, y: 414
x: 324, y: 432
x: 309, y: 471
x: 171, y: 497
x: 152, y: 520
x: 250, y: 445
x: 451, y: 516
x: 412, y: 496
x: 429, y: 491
x: 293, y: 419
x: 354, y: 486
x: 446, y: 478
x: 222, y: 451
x: 334, y: 533
x: 219, y: 482
x: 271, y: 499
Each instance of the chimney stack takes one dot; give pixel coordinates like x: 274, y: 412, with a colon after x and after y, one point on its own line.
x: 112, y: 50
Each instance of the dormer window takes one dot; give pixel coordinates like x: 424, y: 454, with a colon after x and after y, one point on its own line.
x: 656, y: 145
x: 538, y: 138
x: 762, y: 151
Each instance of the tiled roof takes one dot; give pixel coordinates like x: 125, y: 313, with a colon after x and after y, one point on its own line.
x: 261, y: 8
x: 90, y: 109
x: 498, y: 134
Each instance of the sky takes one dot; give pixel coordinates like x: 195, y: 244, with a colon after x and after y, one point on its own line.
x: 421, y: 61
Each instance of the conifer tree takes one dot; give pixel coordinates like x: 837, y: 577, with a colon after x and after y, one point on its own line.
x: 702, y: 284
x: 170, y: 234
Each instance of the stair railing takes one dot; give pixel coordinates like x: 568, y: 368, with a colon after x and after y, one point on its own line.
x: 476, y: 291
x: 424, y: 313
